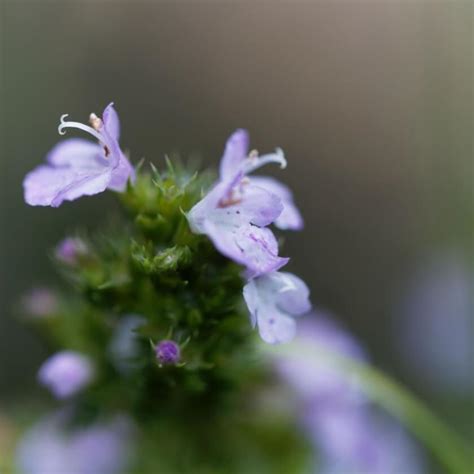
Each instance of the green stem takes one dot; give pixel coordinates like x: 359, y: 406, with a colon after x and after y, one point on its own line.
x: 445, y: 445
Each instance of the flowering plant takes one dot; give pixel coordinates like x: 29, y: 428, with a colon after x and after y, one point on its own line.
x: 157, y: 363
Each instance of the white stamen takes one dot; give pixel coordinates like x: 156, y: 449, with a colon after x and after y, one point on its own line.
x: 254, y: 162
x: 78, y: 125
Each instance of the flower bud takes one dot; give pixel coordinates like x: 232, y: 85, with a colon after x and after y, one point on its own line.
x: 70, y: 249
x: 66, y: 373
x: 40, y: 302
x: 167, y: 352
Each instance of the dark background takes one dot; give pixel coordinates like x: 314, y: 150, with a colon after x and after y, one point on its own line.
x: 371, y: 101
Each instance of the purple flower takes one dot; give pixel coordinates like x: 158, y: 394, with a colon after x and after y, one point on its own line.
x: 66, y: 373
x: 335, y: 413
x: 434, y: 324
x: 168, y: 352
x: 70, y: 249
x: 40, y: 302
x: 52, y: 447
x: 77, y: 167
x: 235, y: 213
x: 316, y: 379
x: 273, y: 299
x: 355, y: 440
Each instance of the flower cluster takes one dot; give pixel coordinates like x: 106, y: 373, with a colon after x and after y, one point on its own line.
x: 157, y: 331
x: 235, y: 214
x: 153, y: 349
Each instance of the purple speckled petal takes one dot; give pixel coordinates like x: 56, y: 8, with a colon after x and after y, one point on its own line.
x: 251, y: 246
x: 236, y: 150
x: 290, y: 218
x: 259, y: 206
x: 275, y: 328
x: 111, y: 121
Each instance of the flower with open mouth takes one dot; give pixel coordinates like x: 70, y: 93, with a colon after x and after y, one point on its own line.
x: 77, y: 167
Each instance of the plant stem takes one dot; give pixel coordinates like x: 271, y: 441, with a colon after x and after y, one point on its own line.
x: 445, y: 445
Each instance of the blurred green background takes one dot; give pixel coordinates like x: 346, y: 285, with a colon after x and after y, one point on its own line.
x: 371, y: 101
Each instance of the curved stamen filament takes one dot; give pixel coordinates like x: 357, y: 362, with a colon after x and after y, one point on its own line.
x: 254, y: 162
x: 63, y: 125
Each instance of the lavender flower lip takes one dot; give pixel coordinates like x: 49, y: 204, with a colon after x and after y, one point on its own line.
x: 77, y: 167
x: 235, y: 213
x: 168, y: 352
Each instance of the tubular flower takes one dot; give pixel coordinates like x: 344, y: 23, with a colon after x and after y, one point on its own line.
x: 273, y: 300
x: 77, y: 167
x: 235, y: 213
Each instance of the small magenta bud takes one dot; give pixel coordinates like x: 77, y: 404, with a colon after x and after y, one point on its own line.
x: 167, y: 352
x: 70, y: 249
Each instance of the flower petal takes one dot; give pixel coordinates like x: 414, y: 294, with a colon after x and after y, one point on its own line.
x: 259, y: 206
x: 236, y: 149
x: 290, y: 218
x: 48, y: 186
x: 260, y: 250
x: 274, y: 326
x: 121, y: 174
x: 77, y: 153
x: 293, y: 294
x: 198, y: 215
x: 111, y: 121
x: 248, y: 245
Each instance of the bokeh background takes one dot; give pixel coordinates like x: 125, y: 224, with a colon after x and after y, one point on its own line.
x: 371, y: 101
